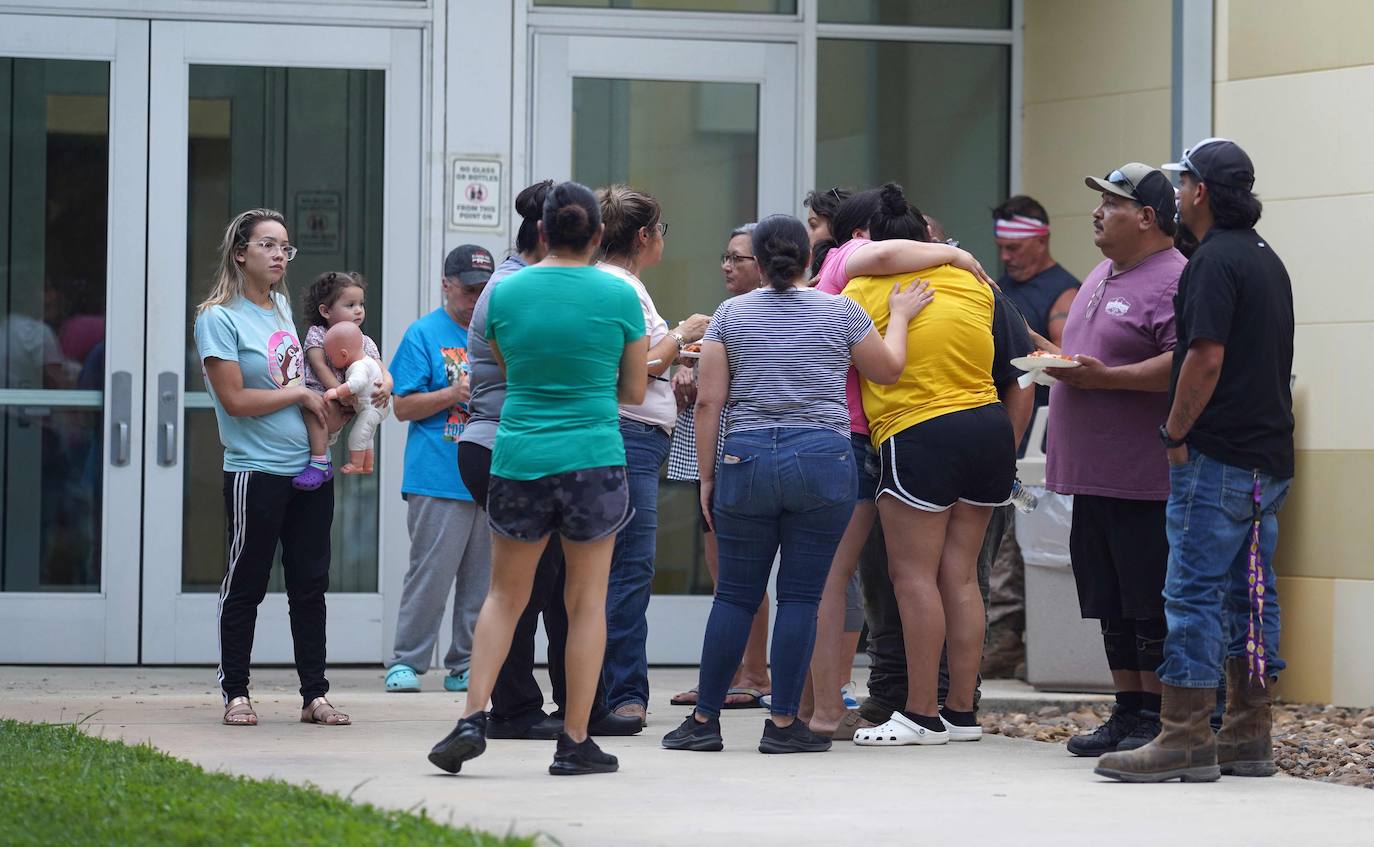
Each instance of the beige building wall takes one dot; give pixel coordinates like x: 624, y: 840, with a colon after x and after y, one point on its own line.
x: 1294, y: 90
x: 1092, y: 101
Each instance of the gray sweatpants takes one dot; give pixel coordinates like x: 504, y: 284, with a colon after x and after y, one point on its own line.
x: 450, y: 546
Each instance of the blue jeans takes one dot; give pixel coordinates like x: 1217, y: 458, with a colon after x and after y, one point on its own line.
x: 786, y: 487
x: 1206, y: 594
x: 625, y: 671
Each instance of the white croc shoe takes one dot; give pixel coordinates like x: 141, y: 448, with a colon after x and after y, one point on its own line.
x: 899, y: 731
x: 962, y: 733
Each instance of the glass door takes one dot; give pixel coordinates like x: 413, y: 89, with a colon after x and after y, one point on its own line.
x: 73, y: 144
x: 324, y: 125
x: 710, y: 129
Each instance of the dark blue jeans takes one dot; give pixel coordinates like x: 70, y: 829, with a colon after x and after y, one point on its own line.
x: 787, y: 488
x: 625, y: 671
x: 1206, y: 594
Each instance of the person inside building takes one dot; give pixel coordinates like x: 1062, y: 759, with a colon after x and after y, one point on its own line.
x: 450, y: 548
x: 1101, y: 441
x: 570, y: 339
x: 1229, y: 441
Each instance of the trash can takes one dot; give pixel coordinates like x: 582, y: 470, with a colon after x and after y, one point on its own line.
x: 1063, y: 651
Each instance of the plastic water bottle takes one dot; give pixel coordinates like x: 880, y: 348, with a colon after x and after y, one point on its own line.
x: 1022, y: 498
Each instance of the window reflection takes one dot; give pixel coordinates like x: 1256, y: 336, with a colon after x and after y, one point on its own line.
x: 308, y: 142
x: 694, y: 146
x: 54, y: 178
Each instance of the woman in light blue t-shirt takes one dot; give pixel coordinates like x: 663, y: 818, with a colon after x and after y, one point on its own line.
x: 253, y: 364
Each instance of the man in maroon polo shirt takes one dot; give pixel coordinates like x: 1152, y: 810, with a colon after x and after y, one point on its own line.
x: 1103, y: 441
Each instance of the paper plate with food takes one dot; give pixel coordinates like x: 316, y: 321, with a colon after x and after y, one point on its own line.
x: 692, y: 351
x: 1040, y: 360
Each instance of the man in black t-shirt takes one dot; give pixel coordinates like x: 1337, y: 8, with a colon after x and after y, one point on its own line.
x: 1229, y: 438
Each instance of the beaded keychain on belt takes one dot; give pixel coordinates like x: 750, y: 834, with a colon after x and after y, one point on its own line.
x: 1254, y: 641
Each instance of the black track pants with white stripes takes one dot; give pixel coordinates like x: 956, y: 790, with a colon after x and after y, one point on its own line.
x: 263, y: 509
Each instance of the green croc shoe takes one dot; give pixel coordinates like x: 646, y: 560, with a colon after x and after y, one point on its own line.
x: 401, y: 679
x: 456, y: 682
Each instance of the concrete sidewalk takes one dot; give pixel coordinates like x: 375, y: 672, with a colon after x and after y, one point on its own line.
x: 998, y: 791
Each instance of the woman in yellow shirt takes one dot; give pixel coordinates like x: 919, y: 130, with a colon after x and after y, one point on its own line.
x: 947, y: 457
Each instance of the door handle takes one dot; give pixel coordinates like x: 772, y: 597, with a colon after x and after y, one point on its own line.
x: 167, y: 415
x: 121, y: 412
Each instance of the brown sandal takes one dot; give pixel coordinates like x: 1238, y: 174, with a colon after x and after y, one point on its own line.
x: 320, y: 711
x: 239, y: 712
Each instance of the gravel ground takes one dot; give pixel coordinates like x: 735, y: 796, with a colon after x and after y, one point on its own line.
x: 1326, y: 743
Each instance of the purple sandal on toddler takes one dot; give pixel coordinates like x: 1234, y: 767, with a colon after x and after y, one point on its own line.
x: 312, y: 477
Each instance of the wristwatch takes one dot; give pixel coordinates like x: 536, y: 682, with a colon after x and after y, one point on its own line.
x: 1170, y: 442
x: 677, y: 336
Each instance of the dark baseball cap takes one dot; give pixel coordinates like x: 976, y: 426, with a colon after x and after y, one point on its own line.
x: 469, y: 264
x: 1218, y: 160
x: 1145, y: 185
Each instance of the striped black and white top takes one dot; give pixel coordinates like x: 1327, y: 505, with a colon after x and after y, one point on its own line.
x: 789, y: 357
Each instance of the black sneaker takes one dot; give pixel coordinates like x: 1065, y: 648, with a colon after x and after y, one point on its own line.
x: 574, y: 759
x: 544, y: 729
x: 695, y: 735
x: 1108, y: 737
x: 1146, y: 728
x: 468, y: 740
x: 796, y: 737
x: 613, y: 724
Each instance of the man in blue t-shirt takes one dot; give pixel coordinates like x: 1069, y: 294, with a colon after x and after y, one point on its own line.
x: 450, y: 547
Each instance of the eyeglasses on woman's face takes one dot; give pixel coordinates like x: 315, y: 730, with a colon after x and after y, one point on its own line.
x: 271, y: 245
x: 661, y: 228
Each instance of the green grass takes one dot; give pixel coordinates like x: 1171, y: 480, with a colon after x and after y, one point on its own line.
x: 61, y: 786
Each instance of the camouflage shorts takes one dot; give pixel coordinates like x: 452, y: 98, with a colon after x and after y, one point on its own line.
x: 582, y: 505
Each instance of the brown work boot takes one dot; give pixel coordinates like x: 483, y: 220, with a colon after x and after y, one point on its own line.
x: 1244, y: 746
x: 1185, y: 748
x: 1003, y: 654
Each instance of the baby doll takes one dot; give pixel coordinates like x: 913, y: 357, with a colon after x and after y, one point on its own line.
x: 343, y: 346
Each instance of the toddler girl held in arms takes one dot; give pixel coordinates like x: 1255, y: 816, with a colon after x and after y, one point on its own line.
x: 334, y: 298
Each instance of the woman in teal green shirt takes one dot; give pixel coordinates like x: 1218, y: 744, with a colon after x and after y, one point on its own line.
x: 570, y: 339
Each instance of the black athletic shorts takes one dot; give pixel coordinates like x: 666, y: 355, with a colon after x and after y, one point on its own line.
x: 1120, y: 554
x: 582, y: 505
x: 966, y: 456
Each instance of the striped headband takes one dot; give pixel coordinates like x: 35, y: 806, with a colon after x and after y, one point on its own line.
x: 1020, y: 226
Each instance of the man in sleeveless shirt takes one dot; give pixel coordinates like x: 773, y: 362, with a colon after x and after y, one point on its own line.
x: 1042, y: 290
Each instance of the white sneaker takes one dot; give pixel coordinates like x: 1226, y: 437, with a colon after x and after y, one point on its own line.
x: 847, y: 692
x: 962, y: 733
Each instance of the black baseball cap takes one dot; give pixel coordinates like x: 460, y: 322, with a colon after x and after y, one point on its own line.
x: 1145, y: 185
x: 1218, y: 160
x: 469, y: 264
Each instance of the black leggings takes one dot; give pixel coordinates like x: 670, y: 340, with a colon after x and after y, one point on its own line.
x: 263, y: 509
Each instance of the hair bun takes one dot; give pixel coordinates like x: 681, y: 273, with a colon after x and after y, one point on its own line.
x: 529, y: 203
x: 893, y: 200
